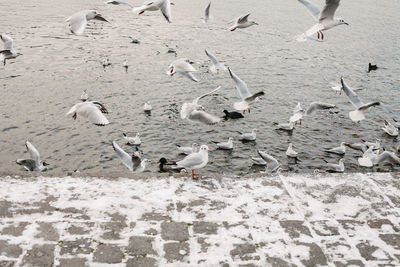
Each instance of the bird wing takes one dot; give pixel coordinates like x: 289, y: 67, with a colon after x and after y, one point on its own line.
x: 34, y: 152
x: 8, y: 41
x: 191, y: 160
x: 206, y: 94
x: 241, y: 86
x: 93, y: 113
x: 253, y: 97
x: 186, y: 109
x: 165, y: 9
x: 183, y: 64
x: 77, y: 22
x: 243, y: 19
x: 189, y: 75
x: 204, y: 117
x: 214, y: 60
x: 313, y: 9
x: 329, y: 10
x: 318, y: 105
x: 207, y: 12
x: 268, y: 158
x: 368, y: 105
x: 353, y: 97
x: 123, y: 156
x: 136, y: 159
x: 387, y: 156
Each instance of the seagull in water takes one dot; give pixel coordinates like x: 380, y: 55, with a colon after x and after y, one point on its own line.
x: 248, y: 136
x: 187, y: 108
x: 290, y: 152
x: 335, y: 167
x: 125, y: 65
x: 134, y: 163
x: 340, y: 150
x: 358, y: 114
x: 92, y: 110
x: 182, y: 66
x: 216, y: 65
x: 118, y: 2
x: 84, y: 96
x: 371, y: 158
x: 242, y: 22
x: 207, y: 15
x: 195, y: 161
x: 187, y: 149
x: 8, y: 51
x: 390, y: 129
x: 272, y: 163
x: 163, y: 5
x: 325, y: 18
x: 225, y: 145
x: 244, y: 93
x: 78, y: 21
x: 33, y: 164
x: 134, y: 141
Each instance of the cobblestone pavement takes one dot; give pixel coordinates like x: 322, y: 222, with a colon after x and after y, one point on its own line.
x: 292, y: 220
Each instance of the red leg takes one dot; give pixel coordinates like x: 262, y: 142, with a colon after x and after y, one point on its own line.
x: 322, y: 35
x: 233, y: 29
x: 248, y: 110
x: 300, y: 121
x: 244, y: 111
x: 317, y: 35
x: 74, y: 116
x: 141, y: 12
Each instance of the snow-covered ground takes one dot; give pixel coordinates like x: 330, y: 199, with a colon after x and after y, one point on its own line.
x: 305, y: 220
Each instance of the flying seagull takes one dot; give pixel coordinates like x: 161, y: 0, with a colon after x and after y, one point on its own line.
x: 33, y: 164
x: 187, y: 108
x: 163, y: 5
x: 78, y: 21
x: 207, y: 16
x: 272, y: 163
x: 8, y: 51
x: 182, y: 66
x: 134, y: 163
x: 118, y: 2
x: 242, y: 22
x: 216, y: 65
x: 91, y: 110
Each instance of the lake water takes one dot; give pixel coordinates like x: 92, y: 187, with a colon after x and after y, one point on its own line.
x: 39, y: 87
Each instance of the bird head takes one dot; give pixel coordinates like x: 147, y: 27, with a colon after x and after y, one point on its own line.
x: 204, y: 148
x: 341, y: 21
x: 93, y: 14
x: 162, y: 161
x: 45, y: 163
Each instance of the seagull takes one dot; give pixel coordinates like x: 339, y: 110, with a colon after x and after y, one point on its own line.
x: 168, y: 165
x: 195, y: 160
x: 232, y: 115
x: 325, y: 18
x: 297, y: 114
x: 285, y: 126
x: 358, y: 114
x: 375, y: 145
x: 135, y: 141
x: 317, y: 106
x: 125, y: 65
x: 258, y: 161
x: 290, y: 152
x: 92, y: 110
x: 118, y: 2
x: 340, y: 150
x: 367, y: 159
x: 248, y: 136
x: 182, y: 66
x: 244, y: 93
x: 207, y: 16
x: 147, y: 107
x: 134, y: 163
x: 8, y: 51
x: 204, y: 117
x: 371, y: 158
x: 272, y: 163
x: 106, y: 62
x: 187, y: 149
x: 187, y: 108
x: 163, y: 5
x: 335, y: 167
x: 372, y: 67
x: 390, y: 129
x: 365, y: 145
x: 78, y: 21
x: 134, y: 40
x: 216, y: 65
x: 225, y: 145
x: 33, y: 164
x: 84, y: 96
x: 242, y: 22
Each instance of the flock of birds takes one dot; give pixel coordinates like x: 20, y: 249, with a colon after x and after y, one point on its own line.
x: 197, y: 155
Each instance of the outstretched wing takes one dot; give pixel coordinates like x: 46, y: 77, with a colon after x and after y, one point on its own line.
x: 34, y: 152
x: 329, y: 10
x: 207, y: 12
x: 272, y: 163
x: 165, y: 9
x: 214, y: 60
x: 241, y: 86
x: 318, y: 105
x: 204, y: 117
x: 243, y: 19
x: 353, y: 97
x: 206, y: 94
x: 313, y: 9
x: 368, y: 105
x: 77, y: 23
x: 123, y: 156
x: 7, y: 40
x: 387, y: 156
x: 93, y: 114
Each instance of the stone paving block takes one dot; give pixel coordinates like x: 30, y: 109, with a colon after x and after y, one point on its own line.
x: 391, y: 239
x: 295, y: 228
x: 7, y: 263
x: 14, y: 230
x: 77, y: 230
x: 47, y: 232
x: 325, y: 228
x: 315, y: 253
x: 154, y: 216
x: 106, y: 253
x: 112, y: 230
x: 151, y: 231
x: 176, y: 251
x: 140, y: 245
x: 203, y: 244
x: 378, y: 223
x: 278, y: 262
x: 352, y: 263
x: 9, y: 250
x: 141, y: 262
x: 73, y: 262
x: 208, y: 228
x: 117, y: 217
x: 367, y: 251
x: 4, y: 209
x: 244, y: 252
x: 39, y: 255
x: 75, y: 247
x: 177, y: 231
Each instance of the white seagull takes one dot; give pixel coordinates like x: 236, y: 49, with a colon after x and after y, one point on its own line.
x: 272, y: 163
x: 207, y: 15
x: 78, y: 21
x: 248, y: 136
x: 325, y: 18
x: 134, y: 163
x: 340, y: 150
x: 118, y: 2
x: 297, y: 114
x: 84, y: 96
x: 216, y: 65
x: 335, y: 167
x: 371, y: 158
x: 242, y: 22
x: 182, y: 66
x: 187, y: 149
x: 92, y: 110
x: 203, y: 117
x: 135, y: 141
x: 390, y: 129
x: 195, y: 161
x: 33, y: 164
x: 290, y: 152
x: 8, y: 51
x: 225, y: 145
x: 187, y: 108
x: 153, y: 5
x: 285, y: 126
x: 247, y: 97
x: 358, y: 114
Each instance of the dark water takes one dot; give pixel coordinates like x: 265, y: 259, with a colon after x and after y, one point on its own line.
x: 39, y: 87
